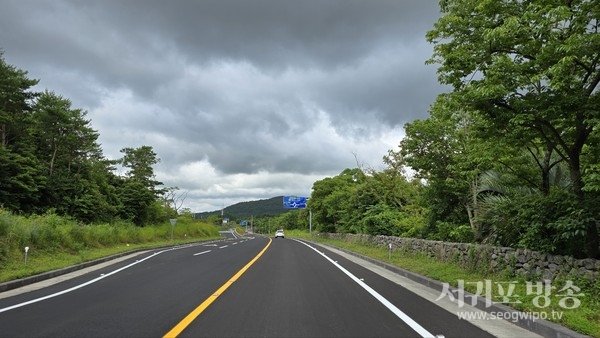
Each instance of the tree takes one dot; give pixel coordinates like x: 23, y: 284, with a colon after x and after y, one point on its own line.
x: 532, y: 66
x: 76, y: 172
x: 138, y: 190
x: 137, y: 202
x: 448, y: 151
x: 20, y: 172
x: 529, y: 216
x: 330, y: 201
x: 173, y: 200
x: 139, y: 161
x: 15, y: 103
x: 64, y: 136
x: 20, y: 181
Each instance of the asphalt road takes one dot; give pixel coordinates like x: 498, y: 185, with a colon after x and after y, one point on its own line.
x: 238, y: 287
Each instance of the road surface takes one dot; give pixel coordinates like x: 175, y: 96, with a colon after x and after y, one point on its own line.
x: 236, y: 287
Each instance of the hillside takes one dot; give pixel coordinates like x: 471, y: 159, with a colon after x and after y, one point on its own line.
x: 267, y: 207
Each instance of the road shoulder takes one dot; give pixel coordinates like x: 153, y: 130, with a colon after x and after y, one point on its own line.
x: 431, y: 290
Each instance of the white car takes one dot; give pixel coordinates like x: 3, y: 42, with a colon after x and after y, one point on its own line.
x: 279, y: 233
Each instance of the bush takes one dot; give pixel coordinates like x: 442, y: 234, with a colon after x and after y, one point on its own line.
x: 554, y: 223
x: 450, y: 232
x: 51, y: 233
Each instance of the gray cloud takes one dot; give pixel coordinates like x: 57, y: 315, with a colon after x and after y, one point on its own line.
x: 240, y: 99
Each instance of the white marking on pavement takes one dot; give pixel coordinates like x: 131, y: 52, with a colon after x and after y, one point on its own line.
x: 201, y: 253
x: 80, y: 285
x: 405, y: 318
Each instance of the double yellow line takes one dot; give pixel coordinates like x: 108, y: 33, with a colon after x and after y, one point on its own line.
x: 175, y: 331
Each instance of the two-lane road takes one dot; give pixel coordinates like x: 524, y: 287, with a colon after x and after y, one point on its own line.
x: 294, y: 290
x: 230, y: 288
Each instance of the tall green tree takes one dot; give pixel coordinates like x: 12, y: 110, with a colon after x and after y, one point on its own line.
x: 330, y: 201
x: 20, y: 172
x: 140, y: 162
x: 138, y: 190
x: 75, y: 170
x: 64, y: 136
x: 531, y: 66
x: 448, y: 151
x: 15, y: 103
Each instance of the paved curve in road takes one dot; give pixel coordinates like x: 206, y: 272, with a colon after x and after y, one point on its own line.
x: 293, y: 289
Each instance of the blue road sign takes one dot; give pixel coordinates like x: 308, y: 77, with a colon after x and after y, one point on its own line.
x: 294, y: 202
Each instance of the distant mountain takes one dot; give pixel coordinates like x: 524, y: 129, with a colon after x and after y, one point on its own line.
x: 268, y: 207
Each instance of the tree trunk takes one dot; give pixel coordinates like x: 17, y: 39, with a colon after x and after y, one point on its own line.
x: 591, y: 238
x: 472, y: 207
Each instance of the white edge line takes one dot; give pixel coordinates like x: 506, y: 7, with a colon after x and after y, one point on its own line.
x: 403, y: 316
x: 91, y: 281
x: 80, y: 285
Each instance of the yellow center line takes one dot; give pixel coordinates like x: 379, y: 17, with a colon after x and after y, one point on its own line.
x: 175, y: 331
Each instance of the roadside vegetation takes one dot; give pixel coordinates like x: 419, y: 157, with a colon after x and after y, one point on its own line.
x: 56, y: 242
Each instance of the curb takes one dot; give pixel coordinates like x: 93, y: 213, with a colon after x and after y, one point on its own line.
x: 17, y: 283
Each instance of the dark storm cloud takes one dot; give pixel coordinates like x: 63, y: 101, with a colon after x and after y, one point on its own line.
x: 238, y: 98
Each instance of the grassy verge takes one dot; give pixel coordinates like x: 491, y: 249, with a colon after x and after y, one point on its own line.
x: 580, y: 313
x: 40, y: 262
x: 55, y: 242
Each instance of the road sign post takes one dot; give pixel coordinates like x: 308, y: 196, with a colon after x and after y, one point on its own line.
x: 310, y: 222
x: 173, y: 221
x: 26, y: 251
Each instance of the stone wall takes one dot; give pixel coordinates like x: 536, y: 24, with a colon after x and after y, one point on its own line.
x: 526, y: 263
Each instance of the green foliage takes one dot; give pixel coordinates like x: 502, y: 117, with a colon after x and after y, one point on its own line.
x: 21, y: 179
x: 50, y: 160
x: 294, y: 219
x: 592, y: 178
x: 20, y: 172
x: 530, y: 70
x: 374, y: 203
x: 139, y: 162
x: 52, y: 233
x: 382, y: 220
x: 450, y: 232
x: 449, y: 150
x: 329, y: 201
x: 552, y: 223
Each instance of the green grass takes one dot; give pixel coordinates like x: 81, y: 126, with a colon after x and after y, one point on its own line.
x: 584, y: 318
x: 40, y: 262
x: 55, y: 242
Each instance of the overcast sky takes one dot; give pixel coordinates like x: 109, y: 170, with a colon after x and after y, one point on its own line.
x: 241, y: 100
